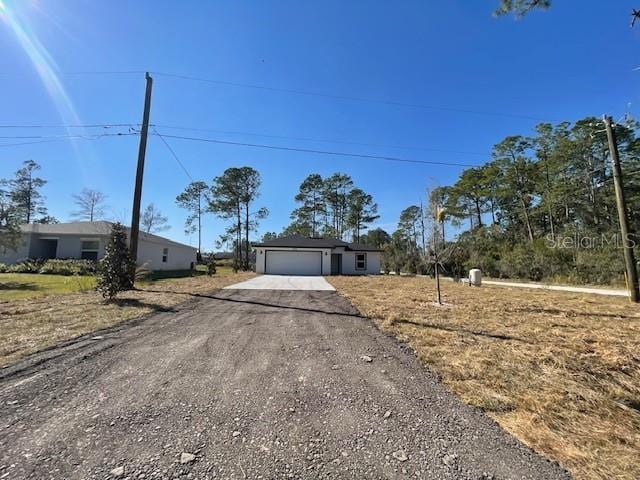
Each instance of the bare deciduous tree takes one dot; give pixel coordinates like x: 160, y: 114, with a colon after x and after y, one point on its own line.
x: 90, y: 205
x: 152, y: 220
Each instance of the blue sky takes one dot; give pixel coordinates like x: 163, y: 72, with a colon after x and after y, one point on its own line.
x: 562, y: 64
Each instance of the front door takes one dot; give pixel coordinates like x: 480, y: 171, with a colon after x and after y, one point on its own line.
x: 49, y: 248
x: 336, y: 264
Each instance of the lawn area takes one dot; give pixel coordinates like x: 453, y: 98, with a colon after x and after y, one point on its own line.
x: 560, y: 371
x: 16, y: 286
x: 48, y: 316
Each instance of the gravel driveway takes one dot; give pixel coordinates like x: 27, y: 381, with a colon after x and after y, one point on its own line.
x: 246, y: 384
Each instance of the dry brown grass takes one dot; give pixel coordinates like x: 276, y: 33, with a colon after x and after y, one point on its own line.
x: 33, y: 324
x: 560, y: 371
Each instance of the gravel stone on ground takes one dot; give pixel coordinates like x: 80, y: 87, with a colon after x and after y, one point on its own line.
x: 242, y: 384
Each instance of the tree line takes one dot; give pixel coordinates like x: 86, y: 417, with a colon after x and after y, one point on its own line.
x: 543, y: 207
x: 231, y: 196
x: 22, y: 202
x: 331, y: 207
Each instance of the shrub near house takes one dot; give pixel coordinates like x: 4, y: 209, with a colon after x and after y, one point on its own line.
x: 52, y: 267
x: 115, y: 270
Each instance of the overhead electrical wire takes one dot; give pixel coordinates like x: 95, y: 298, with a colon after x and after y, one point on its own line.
x: 89, y: 136
x: 57, y: 138
x: 173, y: 153
x: 103, y: 72
x: 320, y: 152
x: 101, y: 125
x: 306, y: 93
x: 27, y: 143
x: 345, y: 97
x: 310, y: 139
x: 241, y: 133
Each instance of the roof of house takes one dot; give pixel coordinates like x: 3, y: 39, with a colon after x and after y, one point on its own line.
x: 300, y: 241
x: 100, y: 228
x: 72, y: 228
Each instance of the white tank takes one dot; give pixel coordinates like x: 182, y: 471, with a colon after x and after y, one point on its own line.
x: 475, y: 277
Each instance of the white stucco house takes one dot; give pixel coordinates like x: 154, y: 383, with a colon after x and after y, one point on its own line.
x: 299, y: 255
x: 87, y: 240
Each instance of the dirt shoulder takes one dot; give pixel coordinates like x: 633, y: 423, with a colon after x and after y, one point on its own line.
x: 29, y: 325
x: 560, y: 371
x: 249, y: 384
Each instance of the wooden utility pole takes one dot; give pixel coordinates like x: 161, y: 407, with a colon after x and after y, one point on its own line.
x: 199, y: 257
x: 137, y: 194
x: 437, y: 272
x: 628, y: 239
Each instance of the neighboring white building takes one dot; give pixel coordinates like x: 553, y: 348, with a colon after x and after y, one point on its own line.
x: 298, y: 255
x: 87, y: 240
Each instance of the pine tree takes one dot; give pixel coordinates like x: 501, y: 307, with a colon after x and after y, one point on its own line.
x: 114, y: 270
x: 25, y: 192
x: 361, y: 212
x: 10, y: 234
x: 194, y: 199
x: 232, y: 195
x: 312, y: 208
x: 336, y: 192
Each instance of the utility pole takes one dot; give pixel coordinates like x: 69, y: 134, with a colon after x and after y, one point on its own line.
x: 628, y: 239
x: 137, y: 194
x: 437, y: 272
x: 199, y: 226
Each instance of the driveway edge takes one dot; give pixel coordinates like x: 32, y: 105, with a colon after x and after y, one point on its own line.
x: 407, y: 348
x: 25, y: 365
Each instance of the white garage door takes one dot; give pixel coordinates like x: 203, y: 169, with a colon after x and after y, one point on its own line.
x: 290, y: 262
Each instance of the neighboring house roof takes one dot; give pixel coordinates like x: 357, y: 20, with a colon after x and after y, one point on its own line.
x: 73, y: 228
x: 100, y: 228
x: 299, y: 241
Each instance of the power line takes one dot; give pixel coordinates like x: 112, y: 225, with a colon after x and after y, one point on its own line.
x: 85, y: 72
x: 26, y: 143
x: 174, y: 154
x: 320, y: 152
x: 103, y: 72
x: 300, y: 92
x: 88, y: 136
x: 346, y: 97
x: 102, y: 125
x: 253, y: 134
x: 308, y: 93
x: 309, y: 139
x: 57, y: 138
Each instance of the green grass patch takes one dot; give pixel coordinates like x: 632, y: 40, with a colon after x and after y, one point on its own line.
x: 16, y: 286
x: 19, y: 286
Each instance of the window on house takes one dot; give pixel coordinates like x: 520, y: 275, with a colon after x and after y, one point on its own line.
x: 89, y: 249
x: 361, y: 261
x: 165, y: 255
